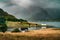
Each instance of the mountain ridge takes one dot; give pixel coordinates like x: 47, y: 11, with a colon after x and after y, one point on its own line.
x: 6, y: 16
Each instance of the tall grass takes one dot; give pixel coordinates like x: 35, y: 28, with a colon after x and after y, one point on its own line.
x: 44, y: 34
x: 22, y: 37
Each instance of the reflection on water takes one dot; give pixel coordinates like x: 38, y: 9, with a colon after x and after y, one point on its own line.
x: 56, y: 24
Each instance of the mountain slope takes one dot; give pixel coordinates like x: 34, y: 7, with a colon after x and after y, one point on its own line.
x: 5, y: 15
x: 45, y: 14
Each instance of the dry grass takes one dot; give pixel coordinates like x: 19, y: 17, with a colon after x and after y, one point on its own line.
x: 19, y: 24
x: 43, y: 34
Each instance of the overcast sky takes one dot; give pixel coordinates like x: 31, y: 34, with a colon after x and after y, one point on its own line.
x: 21, y: 8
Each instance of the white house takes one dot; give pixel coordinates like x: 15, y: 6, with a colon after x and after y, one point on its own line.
x: 44, y: 26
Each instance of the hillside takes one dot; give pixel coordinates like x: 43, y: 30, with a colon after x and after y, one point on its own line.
x: 6, y: 16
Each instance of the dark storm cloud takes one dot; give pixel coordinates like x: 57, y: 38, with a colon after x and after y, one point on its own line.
x: 22, y: 8
x: 47, y: 3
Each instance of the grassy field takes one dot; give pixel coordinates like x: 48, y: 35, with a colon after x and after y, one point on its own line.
x: 42, y: 34
x: 19, y: 24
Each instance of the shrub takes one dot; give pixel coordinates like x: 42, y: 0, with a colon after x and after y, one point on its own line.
x: 3, y: 28
x: 16, y: 30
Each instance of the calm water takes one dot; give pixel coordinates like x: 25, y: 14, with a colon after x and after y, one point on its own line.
x: 56, y: 24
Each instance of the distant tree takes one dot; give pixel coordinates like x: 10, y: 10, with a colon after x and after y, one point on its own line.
x: 25, y: 21
x: 36, y: 25
x: 21, y: 20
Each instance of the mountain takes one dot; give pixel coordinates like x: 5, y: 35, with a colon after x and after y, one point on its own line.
x: 9, y: 17
x: 6, y: 16
x: 47, y: 14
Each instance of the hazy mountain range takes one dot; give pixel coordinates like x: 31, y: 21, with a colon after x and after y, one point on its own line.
x: 39, y: 14
x: 45, y: 14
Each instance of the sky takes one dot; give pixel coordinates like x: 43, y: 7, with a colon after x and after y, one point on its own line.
x: 22, y: 8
